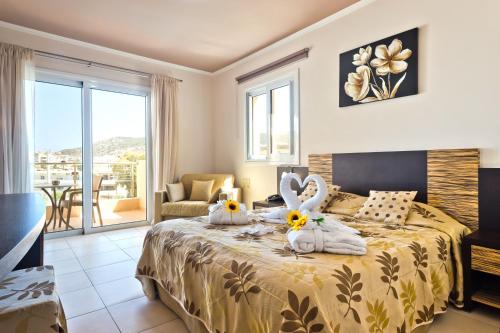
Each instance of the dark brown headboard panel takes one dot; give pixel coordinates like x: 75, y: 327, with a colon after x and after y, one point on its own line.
x: 446, y: 179
x: 396, y: 171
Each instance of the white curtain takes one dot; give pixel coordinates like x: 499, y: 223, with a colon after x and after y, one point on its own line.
x: 164, y: 98
x: 16, y: 116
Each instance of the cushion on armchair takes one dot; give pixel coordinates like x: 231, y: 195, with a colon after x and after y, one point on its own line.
x: 201, y: 190
x: 175, y: 192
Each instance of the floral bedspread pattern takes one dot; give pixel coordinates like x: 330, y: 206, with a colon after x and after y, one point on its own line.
x: 29, y: 302
x: 234, y: 283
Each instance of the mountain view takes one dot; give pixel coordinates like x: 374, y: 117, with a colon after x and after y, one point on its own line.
x: 116, y: 146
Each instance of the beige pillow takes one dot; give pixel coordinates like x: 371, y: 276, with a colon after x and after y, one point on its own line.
x: 175, y: 192
x: 201, y: 190
x: 345, y: 203
x: 311, y: 190
x: 387, y: 207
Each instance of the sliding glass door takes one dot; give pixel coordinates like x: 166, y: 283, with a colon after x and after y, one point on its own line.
x: 118, y: 157
x: 91, y: 152
x: 58, y: 170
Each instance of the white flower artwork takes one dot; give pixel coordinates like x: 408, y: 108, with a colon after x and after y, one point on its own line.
x: 390, y: 71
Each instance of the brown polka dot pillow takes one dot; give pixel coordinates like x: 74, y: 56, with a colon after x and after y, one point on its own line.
x: 311, y: 190
x: 388, y: 207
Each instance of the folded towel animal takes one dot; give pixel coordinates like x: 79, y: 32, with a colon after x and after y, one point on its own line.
x: 217, y: 214
x: 318, y: 240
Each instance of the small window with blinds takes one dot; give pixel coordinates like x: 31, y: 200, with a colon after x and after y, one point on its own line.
x: 272, y: 128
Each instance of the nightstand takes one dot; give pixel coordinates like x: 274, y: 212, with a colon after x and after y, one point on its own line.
x: 481, y: 260
x: 267, y: 204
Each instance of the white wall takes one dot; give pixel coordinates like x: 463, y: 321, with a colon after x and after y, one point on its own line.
x: 195, y: 93
x: 457, y: 106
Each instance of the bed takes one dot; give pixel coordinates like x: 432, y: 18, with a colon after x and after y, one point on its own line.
x: 219, y: 281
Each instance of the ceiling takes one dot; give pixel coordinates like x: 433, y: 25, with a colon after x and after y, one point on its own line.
x: 202, y: 34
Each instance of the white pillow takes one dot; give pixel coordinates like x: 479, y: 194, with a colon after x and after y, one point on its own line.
x: 175, y: 192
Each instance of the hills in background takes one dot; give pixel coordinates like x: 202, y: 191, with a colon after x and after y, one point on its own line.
x: 116, y: 146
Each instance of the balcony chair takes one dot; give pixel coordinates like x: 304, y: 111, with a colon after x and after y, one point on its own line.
x: 73, y: 197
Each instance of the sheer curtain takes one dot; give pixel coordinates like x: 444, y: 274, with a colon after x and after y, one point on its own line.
x: 16, y: 116
x: 164, y: 98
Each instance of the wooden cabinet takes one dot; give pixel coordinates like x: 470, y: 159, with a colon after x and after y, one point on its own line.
x: 481, y: 258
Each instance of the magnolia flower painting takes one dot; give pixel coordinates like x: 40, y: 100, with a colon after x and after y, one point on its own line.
x: 381, y: 70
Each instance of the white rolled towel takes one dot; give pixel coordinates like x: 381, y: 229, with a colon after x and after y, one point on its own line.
x: 331, y: 225
x: 317, y: 240
x: 217, y: 214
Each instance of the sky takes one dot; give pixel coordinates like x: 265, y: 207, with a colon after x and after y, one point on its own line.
x: 58, y: 116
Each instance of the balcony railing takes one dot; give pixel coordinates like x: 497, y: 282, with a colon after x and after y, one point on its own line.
x: 119, y: 178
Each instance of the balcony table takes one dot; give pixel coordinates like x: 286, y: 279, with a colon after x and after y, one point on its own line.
x: 51, y: 191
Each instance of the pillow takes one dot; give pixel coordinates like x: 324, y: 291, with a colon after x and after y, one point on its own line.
x: 311, y: 190
x: 201, y: 190
x: 175, y: 192
x: 345, y: 203
x: 387, y: 207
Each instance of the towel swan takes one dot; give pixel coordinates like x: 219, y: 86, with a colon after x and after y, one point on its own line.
x: 292, y: 201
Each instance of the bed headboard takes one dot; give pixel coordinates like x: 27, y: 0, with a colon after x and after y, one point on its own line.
x: 445, y: 179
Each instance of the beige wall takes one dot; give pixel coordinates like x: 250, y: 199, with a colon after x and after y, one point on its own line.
x: 195, y: 100
x: 457, y: 106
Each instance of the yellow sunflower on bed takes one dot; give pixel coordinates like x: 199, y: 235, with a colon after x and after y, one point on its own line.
x: 300, y: 223
x: 293, y: 217
x: 232, y: 206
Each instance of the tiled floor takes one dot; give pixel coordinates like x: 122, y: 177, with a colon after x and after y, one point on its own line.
x: 95, y: 278
x: 108, y: 218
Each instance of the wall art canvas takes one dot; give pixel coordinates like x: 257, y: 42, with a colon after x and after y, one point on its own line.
x: 381, y: 70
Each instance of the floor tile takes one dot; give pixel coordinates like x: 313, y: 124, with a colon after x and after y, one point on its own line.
x: 82, y: 251
x: 453, y: 322
x: 72, y: 281
x: 80, y: 302
x: 96, y: 322
x: 66, y: 266
x: 112, y: 272
x: 102, y: 259
x: 52, y: 256
x: 55, y: 244
x: 134, y: 252
x: 87, y: 241
x: 174, y: 326
x: 486, y: 314
x: 119, y: 291
x: 121, y: 234
x: 140, y: 314
x: 129, y: 242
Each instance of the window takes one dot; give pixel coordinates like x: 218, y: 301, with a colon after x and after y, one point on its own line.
x: 272, y: 122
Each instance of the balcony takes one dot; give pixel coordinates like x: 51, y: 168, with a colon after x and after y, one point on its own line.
x: 122, y: 193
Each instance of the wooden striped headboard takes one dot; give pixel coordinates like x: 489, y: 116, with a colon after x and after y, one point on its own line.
x: 446, y: 179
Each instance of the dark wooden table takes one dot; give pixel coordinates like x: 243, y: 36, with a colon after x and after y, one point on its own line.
x: 22, y: 220
x: 267, y: 204
x: 481, y: 263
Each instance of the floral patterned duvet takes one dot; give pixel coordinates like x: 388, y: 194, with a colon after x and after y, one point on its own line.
x: 233, y: 283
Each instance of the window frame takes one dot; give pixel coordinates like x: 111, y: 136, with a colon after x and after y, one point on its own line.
x: 266, y: 88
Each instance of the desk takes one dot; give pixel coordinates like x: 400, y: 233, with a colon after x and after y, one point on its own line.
x: 46, y: 188
x: 22, y: 220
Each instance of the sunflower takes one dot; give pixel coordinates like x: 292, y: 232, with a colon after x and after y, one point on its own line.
x: 293, y: 216
x: 300, y: 223
x: 232, y: 206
